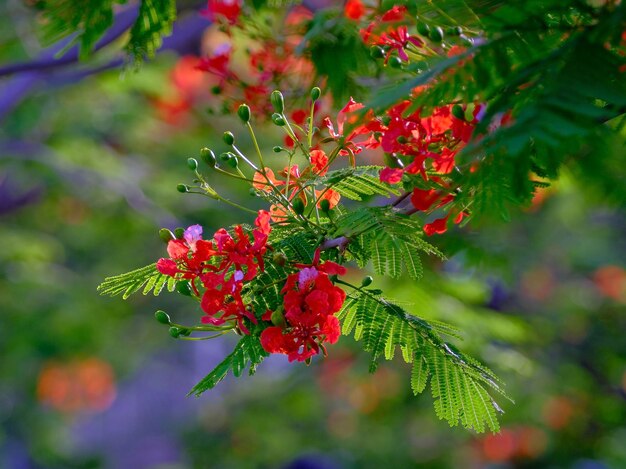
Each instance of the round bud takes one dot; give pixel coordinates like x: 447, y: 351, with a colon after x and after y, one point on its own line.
x: 182, y: 188
x: 423, y: 29
x: 392, y: 161
x: 402, y: 139
x: 208, y: 157
x: 233, y: 162
x: 192, y: 164
x: 225, y: 156
x: 367, y: 281
x: 277, y: 100
x: 436, y: 34
x: 174, y: 332
x: 229, y: 138
x: 278, y: 119
x: 325, y: 206
x: 468, y: 41
x: 162, y: 317
x: 252, y: 192
x: 377, y: 52
x: 278, y: 318
x: 216, y: 90
x: 298, y: 206
x: 183, y: 288
x: 179, y: 233
x: 316, y: 93
x: 166, y: 235
x: 454, y: 31
x: 279, y: 258
x: 395, y: 62
x: 277, y: 149
x: 457, y: 111
x: 185, y: 332
x: 244, y: 113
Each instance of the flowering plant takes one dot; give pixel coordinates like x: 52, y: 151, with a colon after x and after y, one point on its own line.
x: 463, y: 132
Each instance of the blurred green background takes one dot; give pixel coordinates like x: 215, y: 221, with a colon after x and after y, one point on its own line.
x: 89, y: 163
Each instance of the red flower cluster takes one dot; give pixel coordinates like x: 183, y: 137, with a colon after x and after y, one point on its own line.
x: 221, y: 265
x: 310, y: 302
x: 220, y: 10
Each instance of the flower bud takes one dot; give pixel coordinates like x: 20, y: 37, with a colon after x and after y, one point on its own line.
x: 278, y: 318
x: 316, y: 93
x: 252, y: 192
x: 436, y: 34
x: 457, y: 111
x: 277, y: 100
x: 377, y: 52
x: 174, y: 331
x: 298, y: 206
x: 183, y: 288
x: 454, y: 31
x: 423, y: 29
x: 277, y: 149
x: 208, y: 157
x: 367, y: 281
x: 185, y: 332
x: 182, y: 188
x: 244, y: 113
x: 395, y: 62
x: 192, y: 164
x: 278, y: 119
x: 162, y: 317
x: 279, y: 258
x: 166, y: 235
x: 233, y: 162
x: 225, y: 156
x: 179, y: 233
x: 229, y: 138
x: 325, y: 206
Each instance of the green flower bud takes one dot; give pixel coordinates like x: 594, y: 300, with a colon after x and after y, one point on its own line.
x: 392, y: 161
x: 377, y: 52
x: 252, y: 192
x: 229, y: 138
x: 468, y: 41
x: 185, y: 332
x: 316, y: 93
x: 166, y: 235
x: 277, y: 149
x: 233, y: 162
x: 182, y: 188
x: 436, y: 34
x: 401, y: 139
x: 179, y: 233
x: 244, y: 113
x: 298, y: 206
x: 277, y: 100
x: 423, y: 29
x: 208, y: 157
x: 175, y: 331
x: 395, y: 62
x: 367, y: 281
x: 457, y: 111
x: 162, y: 317
x: 279, y: 258
x: 454, y: 31
x: 216, y: 90
x: 278, y: 318
x: 278, y: 119
x: 225, y: 156
x: 183, y: 288
x: 192, y: 164
x: 325, y: 206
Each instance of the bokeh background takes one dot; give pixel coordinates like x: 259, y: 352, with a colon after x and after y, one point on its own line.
x: 89, y: 161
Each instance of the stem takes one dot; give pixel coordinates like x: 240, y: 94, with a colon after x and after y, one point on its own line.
x: 243, y: 157
x: 256, y: 146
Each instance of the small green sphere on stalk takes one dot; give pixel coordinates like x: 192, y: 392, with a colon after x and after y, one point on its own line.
x: 244, y: 113
x: 182, y: 188
x: 277, y: 100
x: 229, y: 138
x: 166, y: 235
x: 278, y: 120
x: 192, y: 164
x: 162, y: 317
x: 316, y: 93
x: 208, y: 157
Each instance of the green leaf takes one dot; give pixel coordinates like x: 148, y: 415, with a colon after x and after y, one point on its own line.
x: 126, y: 284
x: 248, y: 351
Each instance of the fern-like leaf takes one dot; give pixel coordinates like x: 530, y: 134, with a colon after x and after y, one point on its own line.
x: 358, y: 183
x: 155, y: 21
x: 247, y: 351
x: 148, y: 278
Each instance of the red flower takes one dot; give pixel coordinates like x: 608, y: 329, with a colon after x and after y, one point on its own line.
x: 222, y: 9
x: 391, y: 175
x: 319, y: 160
x: 354, y: 9
x: 399, y: 40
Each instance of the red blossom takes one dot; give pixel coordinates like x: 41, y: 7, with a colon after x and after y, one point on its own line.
x: 354, y: 10
x: 228, y: 10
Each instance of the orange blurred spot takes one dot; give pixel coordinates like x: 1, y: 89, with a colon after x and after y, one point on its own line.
x: 75, y: 386
x: 499, y: 447
x: 538, y: 283
x: 532, y: 442
x: 557, y: 412
x: 610, y: 280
